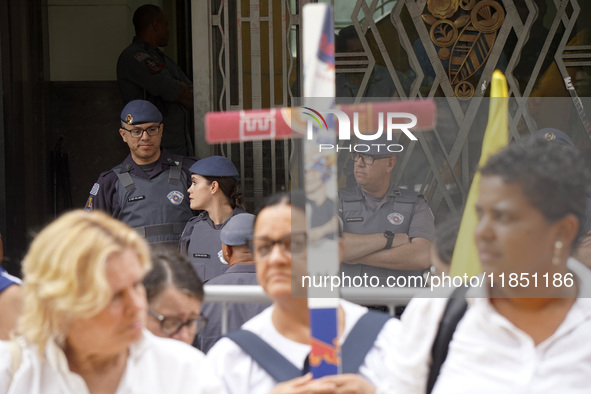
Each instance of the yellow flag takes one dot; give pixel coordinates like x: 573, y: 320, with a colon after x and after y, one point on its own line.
x: 465, y: 259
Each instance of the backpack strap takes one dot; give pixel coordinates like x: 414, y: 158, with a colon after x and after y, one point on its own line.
x: 277, y: 366
x: 359, y: 342
x: 361, y: 339
x: 453, y: 313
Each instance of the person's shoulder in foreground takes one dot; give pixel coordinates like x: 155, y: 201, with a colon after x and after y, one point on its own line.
x: 483, y: 333
x: 176, y: 367
x: 11, y: 299
x: 7, y: 280
x: 155, y: 365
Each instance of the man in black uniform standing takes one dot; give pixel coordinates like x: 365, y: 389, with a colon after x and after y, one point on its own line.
x: 148, y: 190
x: 387, y: 230
x: 145, y: 72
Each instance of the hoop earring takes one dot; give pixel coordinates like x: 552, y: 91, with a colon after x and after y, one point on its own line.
x: 557, y: 248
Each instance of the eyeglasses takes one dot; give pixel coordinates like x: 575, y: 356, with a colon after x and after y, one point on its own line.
x: 367, y: 159
x: 172, y: 325
x: 138, y: 133
x: 292, y: 244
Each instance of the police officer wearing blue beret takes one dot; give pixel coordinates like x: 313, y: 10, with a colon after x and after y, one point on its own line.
x: 387, y: 230
x: 242, y: 271
x: 148, y: 190
x: 215, y: 191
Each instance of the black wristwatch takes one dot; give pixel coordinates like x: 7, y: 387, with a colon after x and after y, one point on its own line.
x: 390, y: 237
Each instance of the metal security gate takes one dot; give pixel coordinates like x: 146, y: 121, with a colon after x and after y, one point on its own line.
x: 246, y: 54
x: 247, y: 64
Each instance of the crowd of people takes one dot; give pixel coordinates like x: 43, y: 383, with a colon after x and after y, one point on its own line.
x: 112, y: 296
x: 106, y: 307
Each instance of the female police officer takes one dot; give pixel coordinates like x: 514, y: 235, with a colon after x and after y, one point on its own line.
x: 215, y: 191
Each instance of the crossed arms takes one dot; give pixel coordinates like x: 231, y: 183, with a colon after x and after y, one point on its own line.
x: 405, y: 253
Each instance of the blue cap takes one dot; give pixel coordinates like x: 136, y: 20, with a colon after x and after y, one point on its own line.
x: 378, y: 147
x: 139, y: 112
x: 214, y: 166
x: 238, y: 230
x: 550, y: 134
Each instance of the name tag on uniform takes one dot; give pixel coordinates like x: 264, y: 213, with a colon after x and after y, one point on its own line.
x: 359, y: 219
x: 132, y: 199
x: 201, y: 255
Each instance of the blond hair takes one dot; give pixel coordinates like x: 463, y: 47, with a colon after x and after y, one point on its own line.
x: 65, y: 272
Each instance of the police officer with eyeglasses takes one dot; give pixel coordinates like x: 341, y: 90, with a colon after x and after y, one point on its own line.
x: 148, y: 189
x: 387, y: 229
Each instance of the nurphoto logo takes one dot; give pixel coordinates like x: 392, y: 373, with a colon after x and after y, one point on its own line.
x: 395, y: 121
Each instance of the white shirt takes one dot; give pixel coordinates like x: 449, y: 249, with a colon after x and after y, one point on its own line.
x: 488, y: 354
x: 241, y: 374
x: 154, y: 366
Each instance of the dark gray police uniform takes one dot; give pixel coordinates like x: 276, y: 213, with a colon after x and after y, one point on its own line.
x: 238, y: 314
x: 144, y: 72
x: 156, y: 205
x: 400, y: 211
x: 236, y: 233
x: 200, y: 242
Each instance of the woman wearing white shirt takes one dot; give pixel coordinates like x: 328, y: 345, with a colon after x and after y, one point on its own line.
x: 279, y: 251
x: 82, y: 327
x: 530, y: 335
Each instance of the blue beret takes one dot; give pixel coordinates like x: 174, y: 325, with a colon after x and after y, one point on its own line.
x: 550, y: 134
x: 377, y: 147
x: 214, y: 166
x: 139, y: 112
x: 238, y: 230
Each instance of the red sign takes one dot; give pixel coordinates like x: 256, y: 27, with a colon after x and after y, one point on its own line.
x: 281, y: 123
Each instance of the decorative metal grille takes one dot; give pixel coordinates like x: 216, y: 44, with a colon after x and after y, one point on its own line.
x: 446, y: 49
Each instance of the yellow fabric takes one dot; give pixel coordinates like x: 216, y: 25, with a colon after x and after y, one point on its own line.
x: 465, y: 258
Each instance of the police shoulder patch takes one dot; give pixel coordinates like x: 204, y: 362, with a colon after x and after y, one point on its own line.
x: 95, y: 189
x: 175, y: 197
x: 395, y: 218
x: 89, y: 206
x: 154, y: 66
